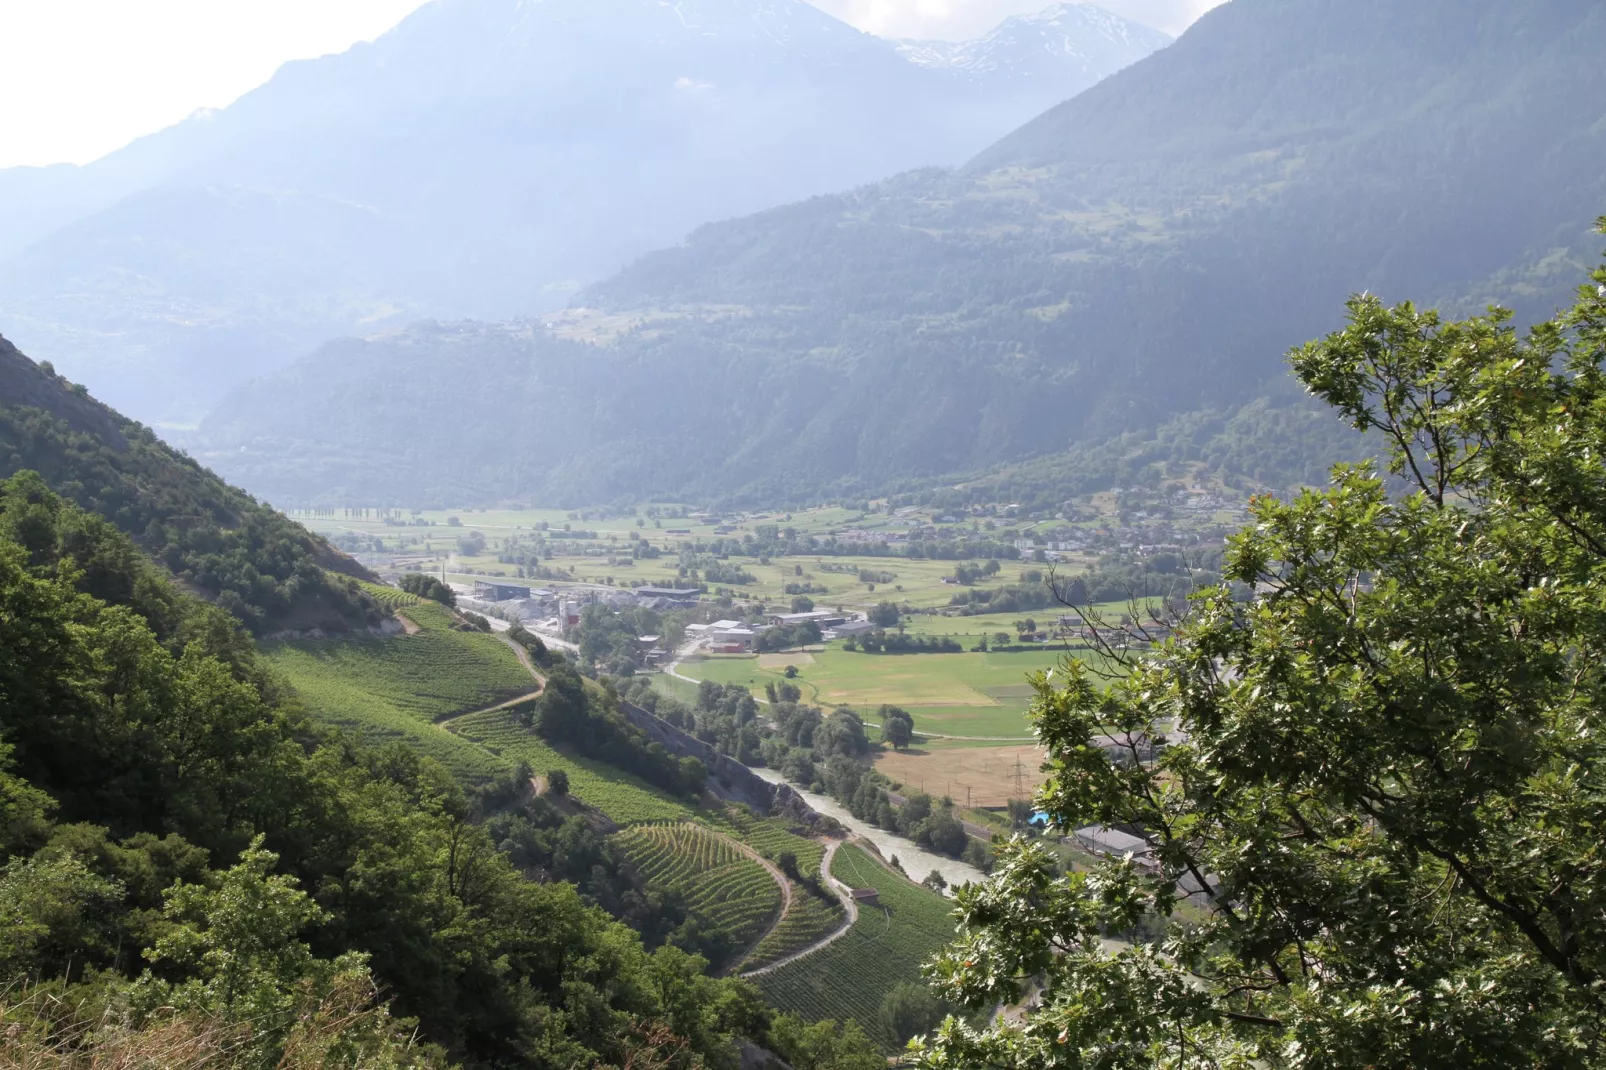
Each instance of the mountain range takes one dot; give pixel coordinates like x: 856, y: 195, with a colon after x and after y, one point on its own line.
x: 486, y: 158
x: 1135, y: 261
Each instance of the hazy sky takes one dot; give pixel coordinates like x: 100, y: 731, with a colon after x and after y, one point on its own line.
x: 79, y: 78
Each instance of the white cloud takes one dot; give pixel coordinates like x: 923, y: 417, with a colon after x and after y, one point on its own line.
x: 80, y: 78
x: 960, y: 19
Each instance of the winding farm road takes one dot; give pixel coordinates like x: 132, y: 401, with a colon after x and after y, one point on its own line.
x: 849, y: 906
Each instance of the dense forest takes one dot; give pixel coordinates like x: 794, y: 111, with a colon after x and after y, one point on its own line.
x: 266, y: 570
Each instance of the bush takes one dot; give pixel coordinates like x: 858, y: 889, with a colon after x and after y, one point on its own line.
x: 557, y: 782
x: 908, y: 1010
x: 425, y: 586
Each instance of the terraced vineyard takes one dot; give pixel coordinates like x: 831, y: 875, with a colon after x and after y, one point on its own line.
x: 770, y: 837
x: 810, y: 920
x: 393, y: 689
x: 625, y: 799
x: 721, y: 886
x: 888, y: 944
x: 391, y: 597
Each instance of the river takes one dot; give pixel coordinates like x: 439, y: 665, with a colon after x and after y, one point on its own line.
x: 916, y: 861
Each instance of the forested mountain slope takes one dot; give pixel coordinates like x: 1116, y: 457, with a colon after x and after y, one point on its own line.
x: 484, y: 158
x: 218, y: 541
x: 191, y: 874
x: 1145, y: 251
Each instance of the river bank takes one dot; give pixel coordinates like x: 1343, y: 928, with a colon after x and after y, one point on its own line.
x: 916, y: 860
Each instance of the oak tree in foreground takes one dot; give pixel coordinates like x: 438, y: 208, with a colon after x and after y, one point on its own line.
x: 1388, y: 765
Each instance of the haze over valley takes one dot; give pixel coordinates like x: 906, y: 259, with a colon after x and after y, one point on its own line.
x: 689, y: 535
x: 486, y: 158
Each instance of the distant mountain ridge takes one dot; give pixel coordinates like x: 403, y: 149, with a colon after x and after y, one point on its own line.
x: 1066, y: 43
x: 1149, y: 249
x: 485, y: 158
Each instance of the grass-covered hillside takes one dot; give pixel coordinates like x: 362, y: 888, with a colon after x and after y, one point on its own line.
x: 398, y: 688
x: 215, y: 540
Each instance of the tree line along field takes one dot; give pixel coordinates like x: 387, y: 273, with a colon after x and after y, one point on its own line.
x: 395, y: 688
x: 887, y: 945
x: 723, y: 887
x: 965, y: 694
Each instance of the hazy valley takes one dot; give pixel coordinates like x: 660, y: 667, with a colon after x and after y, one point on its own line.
x: 627, y: 535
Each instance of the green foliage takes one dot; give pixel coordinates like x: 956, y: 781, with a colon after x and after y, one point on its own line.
x: 266, y: 570
x: 909, y: 1010
x: 897, y: 727
x: 171, y: 756
x: 423, y: 586
x: 824, y: 1045
x: 1393, y: 771
x: 885, y: 947
x: 238, y: 941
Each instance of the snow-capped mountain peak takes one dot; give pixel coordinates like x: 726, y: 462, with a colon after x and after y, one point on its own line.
x: 1075, y: 43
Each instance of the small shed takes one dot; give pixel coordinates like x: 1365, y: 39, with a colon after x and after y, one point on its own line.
x: 868, y: 896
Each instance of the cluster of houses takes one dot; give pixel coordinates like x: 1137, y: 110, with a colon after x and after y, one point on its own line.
x: 736, y: 637
x: 562, y: 611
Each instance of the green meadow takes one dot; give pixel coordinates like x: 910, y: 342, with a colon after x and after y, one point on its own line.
x: 967, y: 694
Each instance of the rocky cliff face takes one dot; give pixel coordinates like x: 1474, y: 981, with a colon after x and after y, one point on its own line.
x: 728, y: 778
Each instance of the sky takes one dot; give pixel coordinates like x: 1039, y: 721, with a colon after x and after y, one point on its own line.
x: 81, y: 78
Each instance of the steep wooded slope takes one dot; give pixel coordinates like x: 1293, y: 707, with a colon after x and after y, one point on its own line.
x: 217, y: 540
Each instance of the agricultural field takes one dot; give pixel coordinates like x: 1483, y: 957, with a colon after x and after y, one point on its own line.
x: 888, y: 944
x: 390, y: 597
x: 428, y: 539
x: 971, y: 629
x: 967, y: 694
x: 721, y: 886
x: 811, y: 919
x: 972, y: 776
x: 395, y: 689
x: 623, y: 798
